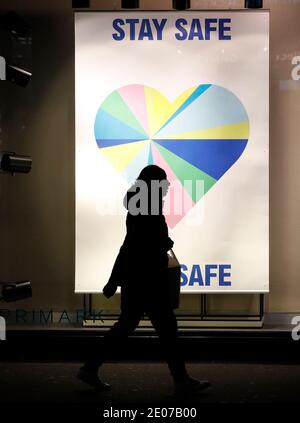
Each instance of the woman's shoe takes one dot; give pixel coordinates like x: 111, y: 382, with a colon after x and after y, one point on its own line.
x: 92, y: 379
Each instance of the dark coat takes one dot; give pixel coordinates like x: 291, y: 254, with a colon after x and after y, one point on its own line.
x: 142, y: 263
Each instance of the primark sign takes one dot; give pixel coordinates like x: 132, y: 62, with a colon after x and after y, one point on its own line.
x: 48, y: 316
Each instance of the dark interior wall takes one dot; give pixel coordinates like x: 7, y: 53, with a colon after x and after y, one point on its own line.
x: 37, y: 210
x: 39, y: 120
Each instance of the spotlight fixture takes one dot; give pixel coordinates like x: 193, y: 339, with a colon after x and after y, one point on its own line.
x: 17, y: 75
x: 16, y: 291
x: 130, y: 4
x: 80, y: 4
x: 181, y: 4
x: 253, y: 4
x: 15, y: 163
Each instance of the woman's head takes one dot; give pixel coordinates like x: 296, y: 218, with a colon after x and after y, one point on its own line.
x: 151, y: 186
x: 152, y: 173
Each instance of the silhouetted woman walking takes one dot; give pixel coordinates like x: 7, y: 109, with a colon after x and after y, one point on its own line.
x: 141, y: 271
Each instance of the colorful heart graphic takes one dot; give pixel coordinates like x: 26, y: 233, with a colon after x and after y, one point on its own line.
x: 198, y: 137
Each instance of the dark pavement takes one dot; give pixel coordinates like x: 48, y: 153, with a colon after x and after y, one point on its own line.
x: 148, y: 383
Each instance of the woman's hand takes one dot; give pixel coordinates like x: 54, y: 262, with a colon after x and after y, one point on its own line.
x: 109, y: 289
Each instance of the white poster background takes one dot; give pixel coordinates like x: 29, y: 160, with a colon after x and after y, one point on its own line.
x: 233, y: 223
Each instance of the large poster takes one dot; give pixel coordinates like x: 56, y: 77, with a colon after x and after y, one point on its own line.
x: 188, y: 91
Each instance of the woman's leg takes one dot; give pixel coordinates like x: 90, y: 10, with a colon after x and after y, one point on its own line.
x: 165, y: 323
x: 130, y: 316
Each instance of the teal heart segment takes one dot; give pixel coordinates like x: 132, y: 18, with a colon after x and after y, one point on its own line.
x: 194, y: 96
x: 108, y: 127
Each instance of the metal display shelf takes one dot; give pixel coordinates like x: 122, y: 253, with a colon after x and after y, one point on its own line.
x: 188, y: 321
